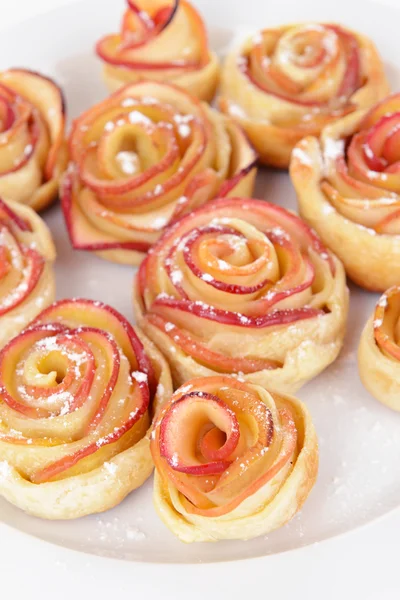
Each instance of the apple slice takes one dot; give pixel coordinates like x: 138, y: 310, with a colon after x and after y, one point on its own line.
x: 141, y: 22
x: 384, y: 108
x: 391, y: 147
x: 7, y: 214
x: 145, y: 32
x: 198, y: 413
x: 33, y: 269
x: 7, y: 114
x: 8, y: 359
x: 45, y: 95
x: 140, y: 402
x: 167, y: 306
x: 376, y: 139
x: 82, y: 234
x: 386, y: 319
x: 213, y: 360
x: 190, y: 258
x: 351, y: 79
x: 102, y: 316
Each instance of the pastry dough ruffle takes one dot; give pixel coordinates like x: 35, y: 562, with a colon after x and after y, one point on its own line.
x: 242, y: 286
x: 161, y: 41
x: 379, y: 350
x: 267, y: 476
x: 287, y: 83
x: 79, y: 388
x: 348, y: 190
x: 143, y: 158
x: 27, y: 254
x: 33, y: 150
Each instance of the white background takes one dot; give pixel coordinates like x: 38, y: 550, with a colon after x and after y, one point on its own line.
x: 364, y: 564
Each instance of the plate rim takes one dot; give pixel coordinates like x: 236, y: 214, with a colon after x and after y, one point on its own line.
x: 395, y: 511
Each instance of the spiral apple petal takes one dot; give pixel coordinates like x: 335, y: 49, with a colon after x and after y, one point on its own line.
x: 33, y: 152
x: 141, y: 159
x: 78, y: 389
x: 26, y: 270
x: 379, y: 350
x: 233, y: 461
x: 289, y: 82
x: 348, y: 186
x: 242, y: 286
x: 160, y: 40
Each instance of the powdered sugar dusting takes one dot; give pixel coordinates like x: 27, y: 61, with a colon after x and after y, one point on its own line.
x: 134, y: 534
x: 139, y: 376
x: 174, y: 459
x: 183, y: 122
x: 302, y: 156
x: 126, y: 102
x: 128, y: 162
x: 383, y: 301
x: 5, y: 470
x: 111, y: 468
x: 333, y: 148
x: 135, y: 116
x: 358, y: 450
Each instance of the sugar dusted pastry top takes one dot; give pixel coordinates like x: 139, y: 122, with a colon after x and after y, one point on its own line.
x: 243, y: 286
x: 290, y: 81
x: 141, y: 159
x: 348, y: 185
x: 379, y: 350
x: 33, y: 151
x: 161, y: 40
x: 79, y: 388
x: 26, y: 271
x: 233, y: 461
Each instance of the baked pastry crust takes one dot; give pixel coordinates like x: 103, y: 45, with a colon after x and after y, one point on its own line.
x: 243, y: 286
x: 348, y: 188
x: 33, y: 150
x: 143, y: 158
x: 161, y: 40
x: 255, y: 464
x: 289, y: 82
x: 379, y: 350
x: 27, y: 254
x: 79, y: 388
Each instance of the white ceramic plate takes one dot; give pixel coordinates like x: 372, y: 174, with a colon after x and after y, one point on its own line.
x: 359, y: 439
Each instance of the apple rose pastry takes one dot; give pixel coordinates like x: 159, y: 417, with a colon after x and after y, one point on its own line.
x: 379, y: 350
x: 77, y: 390
x: 233, y: 460
x: 289, y: 82
x: 348, y: 187
x: 161, y: 40
x: 26, y: 271
x: 33, y: 150
x: 141, y: 159
x: 245, y: 287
